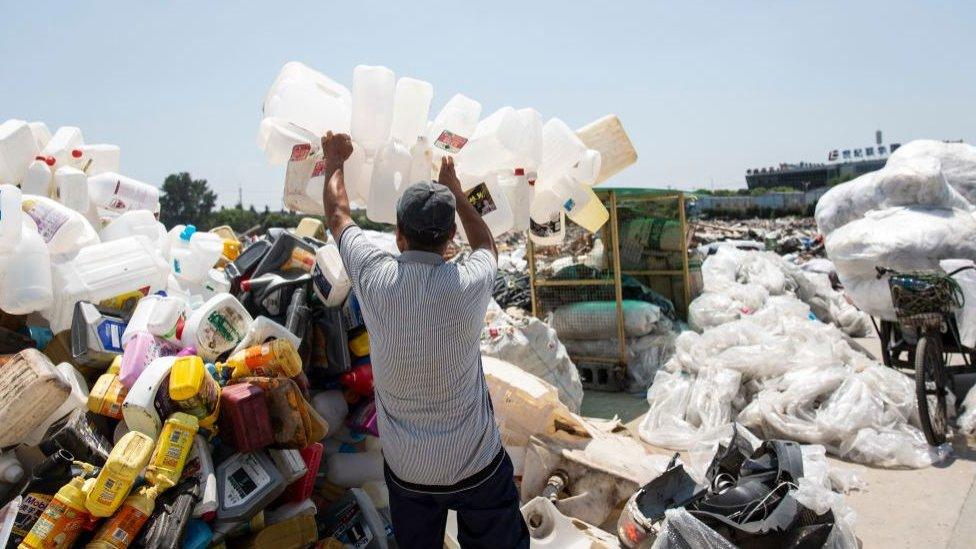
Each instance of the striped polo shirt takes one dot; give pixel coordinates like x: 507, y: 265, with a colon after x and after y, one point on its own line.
x: 424, y: 317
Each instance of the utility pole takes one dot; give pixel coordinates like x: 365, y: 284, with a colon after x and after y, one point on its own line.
x: 240, y: 195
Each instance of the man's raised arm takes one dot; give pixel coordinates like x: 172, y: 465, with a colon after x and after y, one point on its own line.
x: 475, y: 228
x: 338, y: 216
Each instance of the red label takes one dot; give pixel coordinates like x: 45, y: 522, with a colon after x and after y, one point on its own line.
x: 450, y: 142
x: 300, y: 151
x: 319, y: 168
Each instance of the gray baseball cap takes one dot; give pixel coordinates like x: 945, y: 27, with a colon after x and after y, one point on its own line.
x: 427, y: 209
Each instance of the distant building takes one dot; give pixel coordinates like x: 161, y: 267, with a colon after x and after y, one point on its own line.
x: 842, y: 164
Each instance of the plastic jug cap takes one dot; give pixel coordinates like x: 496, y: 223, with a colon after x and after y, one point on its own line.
x: 50, y: 161
x: 76, y: 153
x: 187, y: 232
x: 519, y: 171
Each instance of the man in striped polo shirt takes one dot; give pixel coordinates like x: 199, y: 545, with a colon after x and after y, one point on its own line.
x: 441, y: 446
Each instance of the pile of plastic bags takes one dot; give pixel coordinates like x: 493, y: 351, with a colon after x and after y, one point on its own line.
x: 764, y: 360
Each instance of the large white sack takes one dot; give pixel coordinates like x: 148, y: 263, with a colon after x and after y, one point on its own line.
x: 916, y: 182
x: 958, y: 162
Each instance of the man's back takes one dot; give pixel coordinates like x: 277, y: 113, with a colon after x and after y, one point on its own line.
x: 425, y: 318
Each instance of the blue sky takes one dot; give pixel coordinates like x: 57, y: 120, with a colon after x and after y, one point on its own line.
x: 705, y: 89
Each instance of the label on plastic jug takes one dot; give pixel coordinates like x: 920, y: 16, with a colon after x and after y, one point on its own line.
x: 545, y: 229
x: 300, y: 152
x: 318, y: 169
x: 450, y: 142
x: 245, y: 481
x: 127, y: 195
x: 481, y: 199
x: 29, y: 511
x: 110, y: 334
x: 47, y: 219
x: 127, y: 522
x: 224, y: 324
x: 58, y: 522
x: 300, y: 258
x: 126, y: 301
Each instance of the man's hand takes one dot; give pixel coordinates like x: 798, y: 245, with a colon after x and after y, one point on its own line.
x: 447, y: 175
x: 337, y: 147
x: 479, y: 236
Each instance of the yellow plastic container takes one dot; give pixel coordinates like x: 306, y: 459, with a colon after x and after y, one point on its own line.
x: 116, y: 366
x: 359, y: 345
x: 297, y: 531
x: 194, y: 391
x: 277, y: 358
x: 225, y: 232
x: 107, y: 396
x: 232, y: 249
x: 126, y: 460
x: 175, y: 442
x: 121, y: 529
x: 62, y: 521
x: 311, y: 227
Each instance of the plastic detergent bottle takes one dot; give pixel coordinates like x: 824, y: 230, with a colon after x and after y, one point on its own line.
x: 17, y: 147
x: 263, y: 329
x: 246, y: 484
x: 372, y: 105
x: 45, y: 479
x: 39, y: 178
x: 107, y: 395
x: 453, y: 126
x: 194, y: 252
x: 100, y: 158
x: 498, y: 142
x: 217, y: 326
x: 31, y: 389
x: 411, y: 105
x: 489, y: 201
x: 161, y: 316
x: 65, y: 140
x: 146, y: 399
x: 194, y: 391
x: 115, y: 194
x: 140, y: 351
x: 175, y: 442
x: 137, y: 222
x: 116, y: 478
x: 245, y: 421
x: 330, y: 282
x: 96, y: 334
x: 519, y: 194
x: 391, y: 170
x: 63, y: 519
x: 63, y: 229
x: 275, y: 358
x: 10, y: 216
x: 119, y: 531
x: 72, y: 185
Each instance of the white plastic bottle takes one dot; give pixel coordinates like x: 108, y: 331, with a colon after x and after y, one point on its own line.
x: 357, y: 172
x: 39, y: 179
x: 453, y: 126
x: 421, y: 168
x: 26, y: 283
x: 216, y: 326
x: 561, y: 150
x: 137, y: 222
x: 72, y: 187
x: 193, y: 252
x: 547, y: 222
x: 372, y: 106
x: 115, y: 194
x: 309, y: 99
x: 99, y: 158
x: 65, y: 140
x: 587, y: 168
x: 519, y: 194
x: 499, y: 142
x: 391, y: 169
x: 532, y: 122
x: 277, y: 137
x: 329, y: 278
x: 411, y: 105
x: 17, y: 148
x: 10, y: 216
x: 64, y: 230
x: 161, y: 316
x: 488, y: 198
x: 41, y: 134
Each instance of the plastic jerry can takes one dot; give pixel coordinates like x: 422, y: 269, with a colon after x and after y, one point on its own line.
x: 161, y: 316
x: 194, y: 391
x: 288, y: 252
x: 294, y: 423
x: 359, y: 380
x: 119, y: 473
x: 309, y: 99
x: 519, y: 194
x: 39, y: 179
x: 498, y: 142
x: 64, y: 230
x: 271, y: 293
x: 114, y: 194
x: 354, y: 469
x: 77, y: 399
x: 17, y: 148
x: 119, y: 531
x: 373, y: 89
x: 354, y: 521
x: 289, y: 463
x: 244, y: 418
x: 167, y: 526
x: 65, y: 140
x: 592, y: 215
x: 278, y: 357
x: 78, y: 434
x: 72, y: 185
x: 607, y: 136
x: 62, y: 520
x: 148, y: 398
x: 263, y: 329
x: 169, y: 457
x: 200, y: 465
x: 489, y: 200
x: 107, y: 395
x: 140, y: 351
x: 453, y: 126
x: 42, y: 135
x: 27, y: 285
x: 421, y: 168
x: 296, y: 319
x: 194, y: 252
x: 217, y: 326
x: 411, y: 105
x: 301, y: 489
x: 299, y: 531
x: 547, y: 221
x: 250, y: 256
x: 10, y: 216
x: 364, y: 418
x: 45, y: 480
x: 96, y: 334
x: 390, y: 177
x: 31, y: 389
x: 561, y: 149
x: 100, y: 158
x: 332, y: 406
x: 137, y: 222
x: 359, y: 344
x: 246, y: 484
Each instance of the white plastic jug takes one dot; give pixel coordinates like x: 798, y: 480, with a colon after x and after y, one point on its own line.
x: 10, y: 216
x: 41, y: 134
x: 161, y: 316
x: 532, y: 121
x: 607, y: 136
x: 137, y: 222
x: 65, y: 140
x: 488, y: 198
x: 547, y: 222
x: 587, y: 168
x: 453, y: 126
x: 372, y: 106
x: 115, y: 194
x: 78, y: 398
x: 100, y: 158
x: 499, y: 142
x: 26, y: 284
x: 333, y: 408
x: 216, y: 326
x: 39, y: 179
x: 519, y: 194
x: 193, y: 252
x: 309, y: 99
x: 411, y: 105
x: 72, y: 187
x: 421, y: 166
x: 277, y: 137
x: 17, y: 148
x: 561, y: 149
x: 130, y: 265
x: 354, y: 470
x: 64, y: 230
x: 357, y: 173
x: 139, y: 407
x: 391, y: 169
x: 329, y: 279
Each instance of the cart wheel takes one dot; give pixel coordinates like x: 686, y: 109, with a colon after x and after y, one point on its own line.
x: 884, y: 333
x: 930, y: 388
